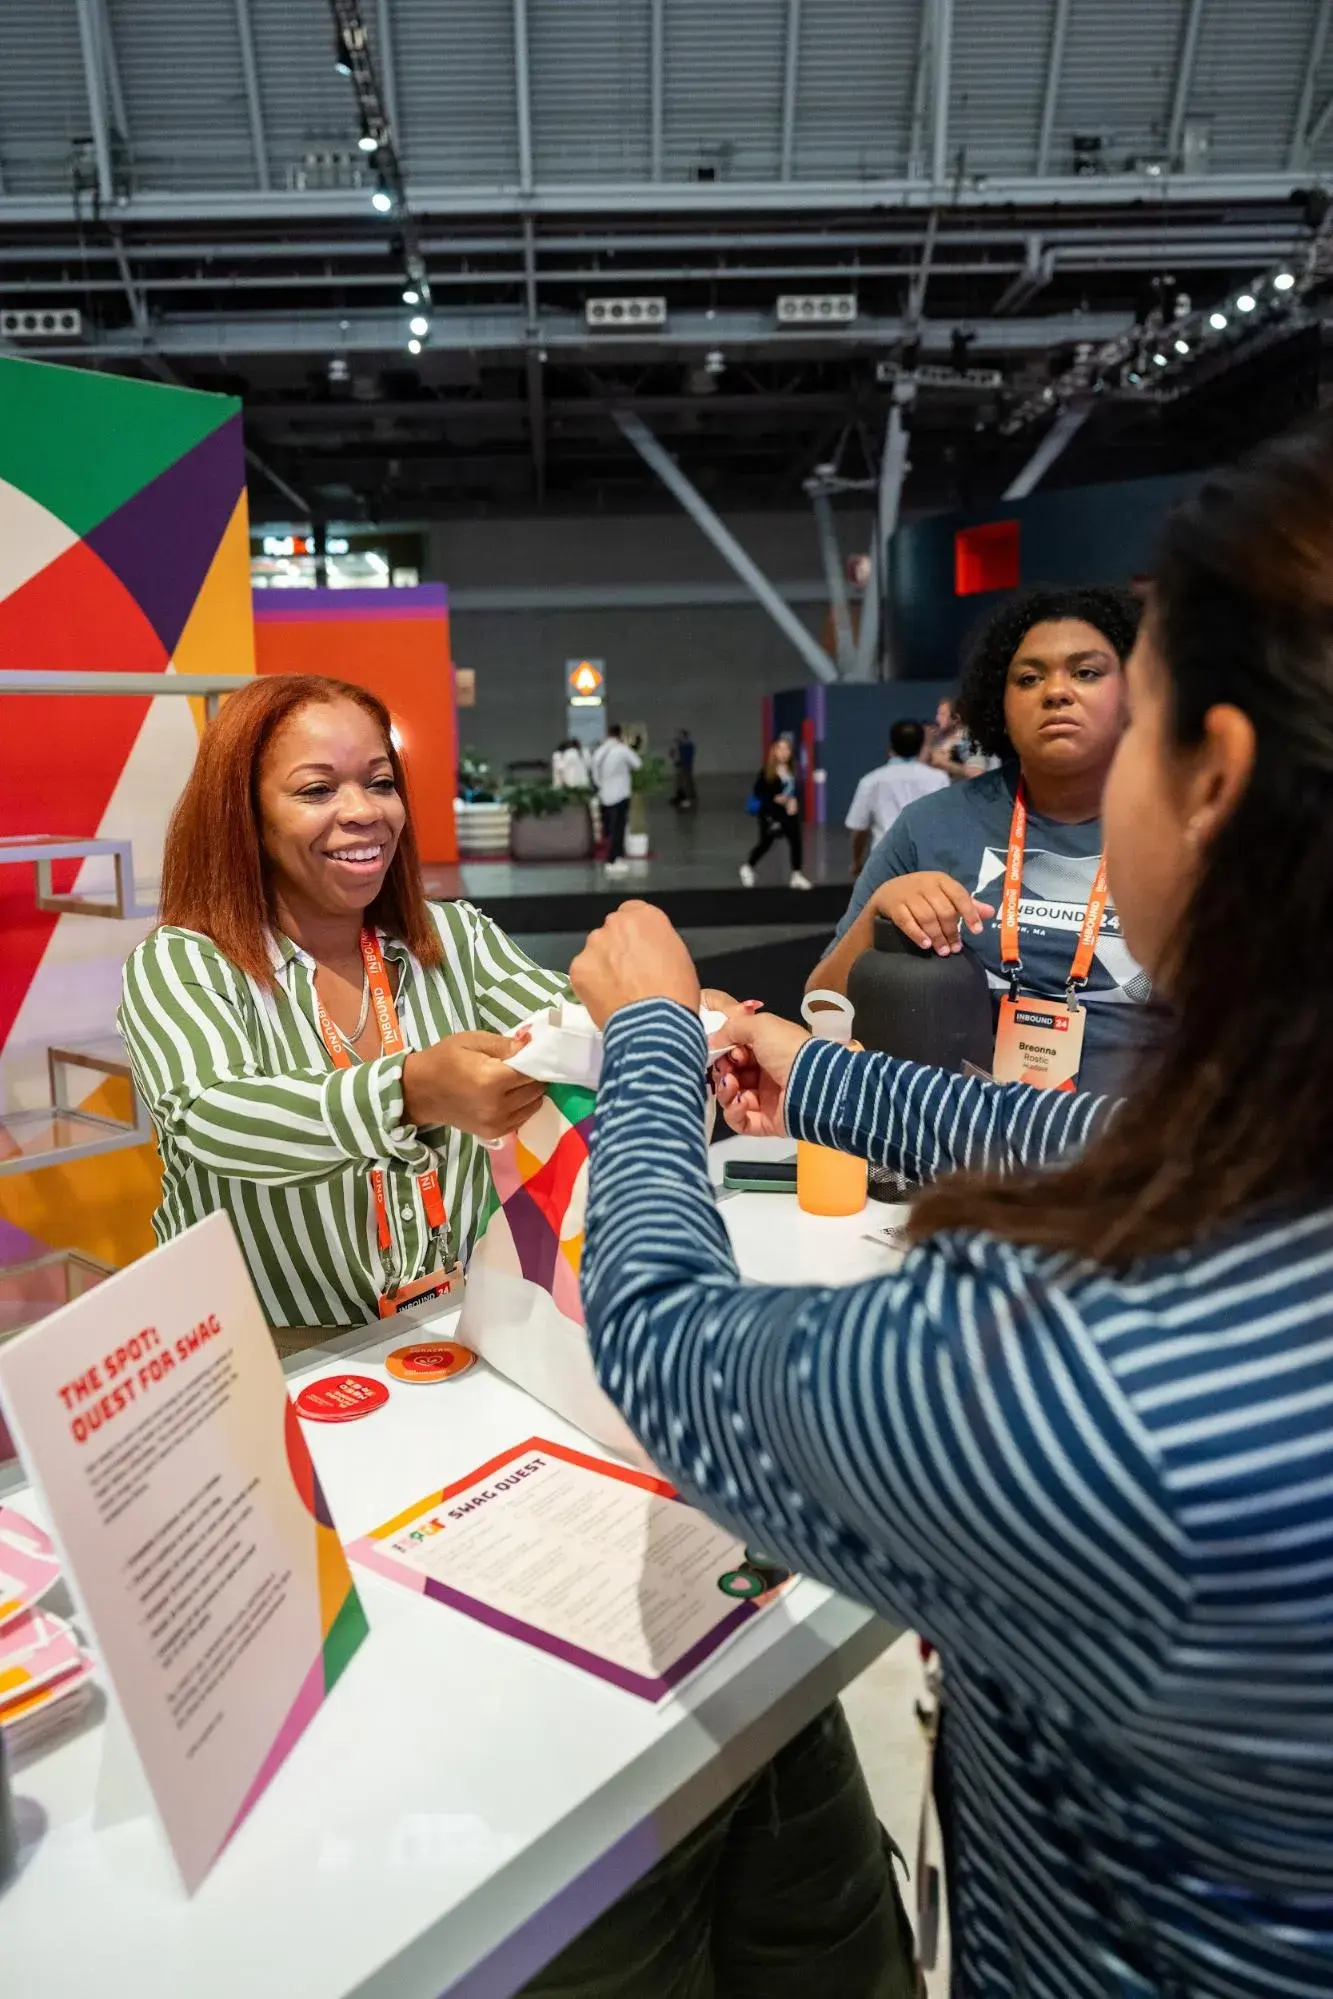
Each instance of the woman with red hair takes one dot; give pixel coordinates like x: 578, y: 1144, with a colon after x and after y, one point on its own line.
x: 319, y: 1047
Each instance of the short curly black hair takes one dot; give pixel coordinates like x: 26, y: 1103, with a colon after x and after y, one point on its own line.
x: 1114, y: 613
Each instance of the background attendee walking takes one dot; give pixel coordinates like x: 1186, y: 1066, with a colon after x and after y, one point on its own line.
x: 882, y: 793
x: 686, y: 797
x: 778, y: 808
x: 613, y: 766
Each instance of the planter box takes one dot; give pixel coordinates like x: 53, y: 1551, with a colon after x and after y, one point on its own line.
x: 560, y: 836
x: 482, y: 829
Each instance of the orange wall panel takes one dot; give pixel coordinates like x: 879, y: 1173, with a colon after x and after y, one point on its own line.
x: 396, y: 643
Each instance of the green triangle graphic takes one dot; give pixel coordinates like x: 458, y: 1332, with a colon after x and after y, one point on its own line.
x: 81, y: 443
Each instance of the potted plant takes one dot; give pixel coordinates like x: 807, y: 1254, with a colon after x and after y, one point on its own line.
x: 548, y: 822
x: 480, y: 814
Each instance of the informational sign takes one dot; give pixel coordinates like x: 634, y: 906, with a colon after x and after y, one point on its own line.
x: 603, y: 1567
x: 153, y: 1416
x: 585, y: 699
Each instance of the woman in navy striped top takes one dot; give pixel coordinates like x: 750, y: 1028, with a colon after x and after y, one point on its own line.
x: 1083, y: 1439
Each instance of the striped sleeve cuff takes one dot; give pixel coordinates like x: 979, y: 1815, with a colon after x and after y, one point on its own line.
x: 672, y: 1025
x: 814, y: 1091
x: 364, y: 1107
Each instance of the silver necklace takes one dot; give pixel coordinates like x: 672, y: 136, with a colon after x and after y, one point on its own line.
x: 350, y: 1040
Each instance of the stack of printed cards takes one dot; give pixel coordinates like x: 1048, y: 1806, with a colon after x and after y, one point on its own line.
x: 45, y: 1676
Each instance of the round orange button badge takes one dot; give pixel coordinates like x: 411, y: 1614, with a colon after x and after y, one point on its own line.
x: 430, y: 1360
x: 341, y: 1398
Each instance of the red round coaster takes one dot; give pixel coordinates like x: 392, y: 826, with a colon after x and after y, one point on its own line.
x: 341, y: 1398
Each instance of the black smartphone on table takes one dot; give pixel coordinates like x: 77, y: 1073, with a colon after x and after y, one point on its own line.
x: 760, y: 1176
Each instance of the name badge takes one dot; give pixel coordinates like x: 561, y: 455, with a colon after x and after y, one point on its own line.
x: 435, y: 1284
x: 1039, y: 1042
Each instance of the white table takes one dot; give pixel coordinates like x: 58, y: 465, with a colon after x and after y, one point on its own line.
x: 463, y: 1805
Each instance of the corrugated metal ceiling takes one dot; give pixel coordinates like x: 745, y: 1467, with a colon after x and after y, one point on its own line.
x: 180, y: 66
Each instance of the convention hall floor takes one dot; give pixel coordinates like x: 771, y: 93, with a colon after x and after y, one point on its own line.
x: 765, y: 940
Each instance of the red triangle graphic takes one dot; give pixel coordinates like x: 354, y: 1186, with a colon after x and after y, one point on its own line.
x: 65, y: 754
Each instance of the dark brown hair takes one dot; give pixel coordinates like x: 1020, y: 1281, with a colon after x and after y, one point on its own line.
x: 215, y: 877
x: 1236, y: 1116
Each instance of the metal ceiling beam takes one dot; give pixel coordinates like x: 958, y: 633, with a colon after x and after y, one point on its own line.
x: 1298, y: 145
x: 1057, y: 440
x: 790, y: 79
x: 637, y: 433
x: 523, y: 96
x: 916, y: 165
x: 388, y: 67
x: 279, y: 484
x: 835, y: 582
x: 1086, y: 193
x: 535, y: 358
x: 1189, y: 49
x: 111, y: 71
x: 657, y: 85
x: 1229, y: 240
x: 90, y: 46
x: 1051, y: 94
x: 892, y: 475
x: 505, y: 330
x: 138, y: 309
x: 253, y: 104
x: 515, y: 276
x: 1038, y: 266
x: 941, y: 36
x: 1316, y: 131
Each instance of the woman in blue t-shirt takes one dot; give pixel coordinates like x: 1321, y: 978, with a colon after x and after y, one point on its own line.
x: 1043, y: 690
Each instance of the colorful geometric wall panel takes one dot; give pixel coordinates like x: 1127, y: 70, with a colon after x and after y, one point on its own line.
x: 123, y: 548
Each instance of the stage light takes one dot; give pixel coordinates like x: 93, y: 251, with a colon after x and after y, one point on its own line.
x: 414, y: 346
x: 1182, y: 346
x: 1245, y: 303
x: 1159, y: 360
x: 368, y: 143
x: 1283, y: 282
x: 411, y: 296
x: 1218, y: 321
x: 340, y: 62
x: 381, y: 202
x: 419, y: 324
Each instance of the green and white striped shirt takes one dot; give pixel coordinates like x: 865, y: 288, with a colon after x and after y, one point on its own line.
x: 253, y: 1118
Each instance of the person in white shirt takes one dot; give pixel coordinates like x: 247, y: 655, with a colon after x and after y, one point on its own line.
x: 613, y: 766
x: 882, y: 794
x: 569, y: 766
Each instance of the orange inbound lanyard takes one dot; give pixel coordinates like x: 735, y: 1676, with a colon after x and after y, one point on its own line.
x: 391, y: 1043
x: 1093, y: 915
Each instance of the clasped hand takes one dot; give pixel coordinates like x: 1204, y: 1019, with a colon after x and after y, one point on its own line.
x: 637, y: 955
x: 465, y: 1082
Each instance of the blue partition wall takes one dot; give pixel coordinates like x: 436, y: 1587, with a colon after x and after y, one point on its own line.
x: 1080, y: 534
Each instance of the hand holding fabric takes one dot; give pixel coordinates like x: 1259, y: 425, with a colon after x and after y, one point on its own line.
x: 751, y: 1082
x: 464, y: 1082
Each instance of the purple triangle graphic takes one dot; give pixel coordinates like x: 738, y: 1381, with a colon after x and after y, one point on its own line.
x: 160, y: 543
x: 534, y: 1238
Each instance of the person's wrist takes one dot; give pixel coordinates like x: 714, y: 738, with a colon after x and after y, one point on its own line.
x: 808, y: 1058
